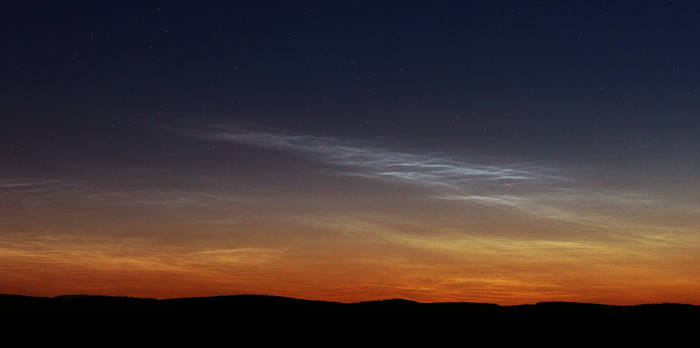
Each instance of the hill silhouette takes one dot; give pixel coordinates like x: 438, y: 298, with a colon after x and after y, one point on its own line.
x: 263, y: 306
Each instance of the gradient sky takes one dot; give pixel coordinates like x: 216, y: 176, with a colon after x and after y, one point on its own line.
x: 492, y: 151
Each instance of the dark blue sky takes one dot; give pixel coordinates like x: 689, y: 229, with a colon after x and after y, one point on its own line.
x: 583, y: 80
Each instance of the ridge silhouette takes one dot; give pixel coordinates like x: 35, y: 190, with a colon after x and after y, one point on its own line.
x: 266, y: 306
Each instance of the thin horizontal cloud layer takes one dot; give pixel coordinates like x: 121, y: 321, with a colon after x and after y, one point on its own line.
x: 366, y: 160
x: 36, y: 193
x: 597, y: 211
x: 538, y: 190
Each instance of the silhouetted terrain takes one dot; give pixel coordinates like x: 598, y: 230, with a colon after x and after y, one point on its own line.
x: 263, y: 307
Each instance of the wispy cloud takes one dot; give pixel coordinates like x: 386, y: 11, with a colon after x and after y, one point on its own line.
x: 599, y: 210
x: 539, y: 190
x: 368, y: 160
x: 36, y: 193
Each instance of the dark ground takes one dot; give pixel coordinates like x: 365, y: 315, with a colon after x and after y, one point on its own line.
x: 273, y: 307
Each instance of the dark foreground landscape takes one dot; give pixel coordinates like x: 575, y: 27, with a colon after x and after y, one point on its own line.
x: 258, y: 306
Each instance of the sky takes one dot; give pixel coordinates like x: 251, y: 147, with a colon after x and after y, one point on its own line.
x: 485, y: 151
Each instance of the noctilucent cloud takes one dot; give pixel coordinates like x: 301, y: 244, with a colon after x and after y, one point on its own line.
x: 499, y: 152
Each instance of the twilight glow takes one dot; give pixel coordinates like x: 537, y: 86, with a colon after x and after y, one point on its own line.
x: 279, y: 153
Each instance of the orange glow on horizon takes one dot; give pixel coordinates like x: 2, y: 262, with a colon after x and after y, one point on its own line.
x: 448, y: 270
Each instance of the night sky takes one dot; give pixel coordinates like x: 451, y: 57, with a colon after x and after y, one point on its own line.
x: 487, y: 151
